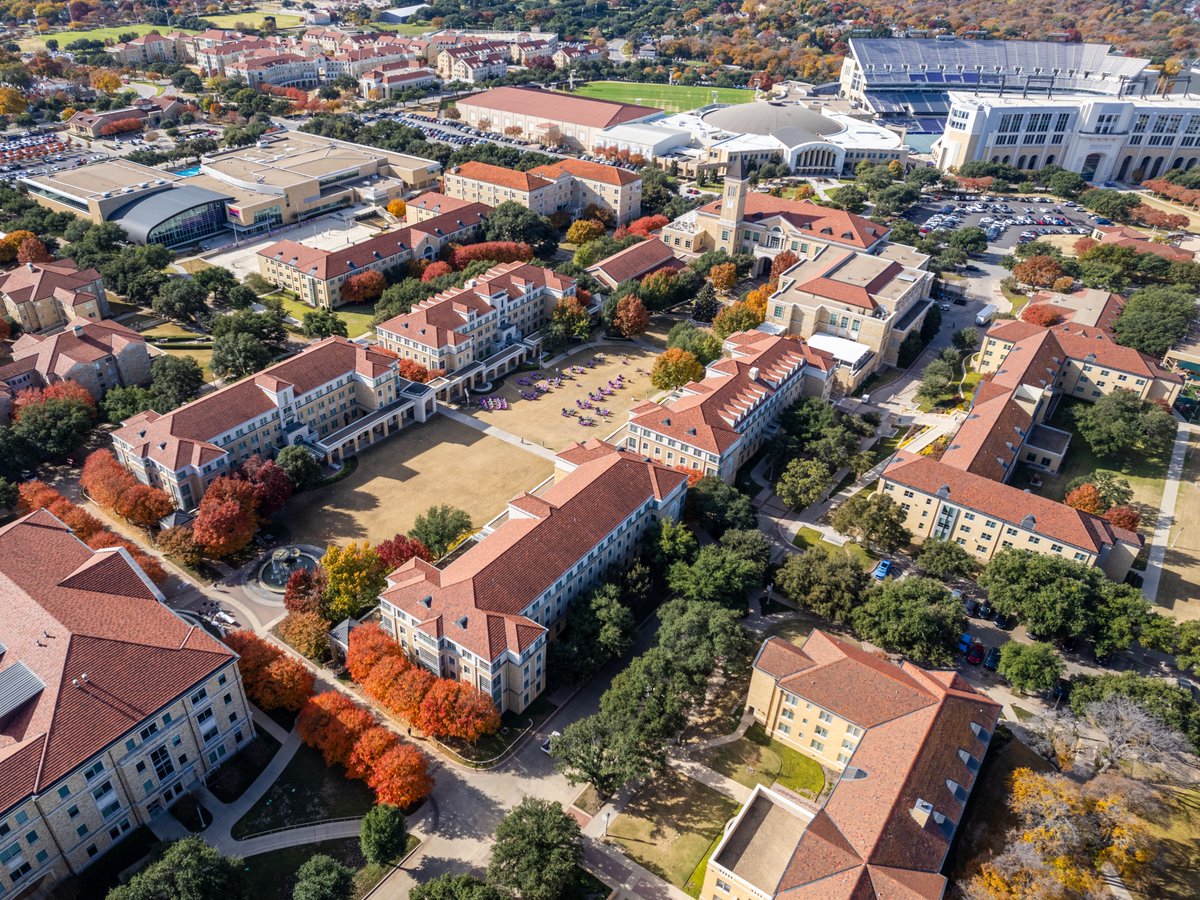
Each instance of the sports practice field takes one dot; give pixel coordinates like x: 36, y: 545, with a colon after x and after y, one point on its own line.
x: 253, y: 20
x: 94, y: 34
x: 671, y: 97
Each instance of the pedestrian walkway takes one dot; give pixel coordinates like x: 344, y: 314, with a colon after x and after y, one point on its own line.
x: 740, y: 732
x: 699, y: 772
x: 630, y: 880
x: 507, y: 436
x: 1166, y: 513
x: 226, y: 815
x: 267, y: 724
x: 291, y: 837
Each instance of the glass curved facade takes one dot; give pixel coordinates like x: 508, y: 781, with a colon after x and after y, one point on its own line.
x: 190, y: 226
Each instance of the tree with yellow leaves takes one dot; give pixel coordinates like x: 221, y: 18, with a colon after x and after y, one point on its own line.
x: 108, y: 82
x: 398, y: 208
x: 12, y: 102
x: 66, y: 114
x: 355, y: 575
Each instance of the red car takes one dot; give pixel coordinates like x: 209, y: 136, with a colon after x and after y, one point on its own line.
x: 975, y: 653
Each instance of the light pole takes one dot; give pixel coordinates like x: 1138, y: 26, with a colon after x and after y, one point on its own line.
x: 606, y: 824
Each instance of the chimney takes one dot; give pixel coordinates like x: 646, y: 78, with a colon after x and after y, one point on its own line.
x: 29, y: 266
x: 922, y: 811
x: 754, y: 373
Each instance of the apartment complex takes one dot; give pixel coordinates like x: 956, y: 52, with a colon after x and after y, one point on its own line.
x: 745, y: 221
x: 42, y: 296
x: 276, y: 69
x: 965, y: 496
x: 485, y: 617
x: 334, y: 397
x: 285, y: 177
x: 857, y: 306
x: 481, y: 331
x: 570, y: 186
x: 98, y: 355
x: 715, y: 425
x: 548, y: 117
x: 150, y: 48
x: 907, y: 745
x: 113, y: 705
x: 316, y: 276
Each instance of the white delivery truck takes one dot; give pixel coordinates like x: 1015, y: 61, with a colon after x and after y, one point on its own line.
x: 985, y: 315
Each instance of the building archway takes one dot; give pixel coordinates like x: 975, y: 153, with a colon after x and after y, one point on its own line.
x: 1156, y: 168
x: 1033, y: 162
x: 1090, y: 164
x: 1021, y: 161
x: 1124, y: 168
x: 1050, y: 160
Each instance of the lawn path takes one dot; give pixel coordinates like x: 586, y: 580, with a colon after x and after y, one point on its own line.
x: 494, y: 431
x: 1166, y: 513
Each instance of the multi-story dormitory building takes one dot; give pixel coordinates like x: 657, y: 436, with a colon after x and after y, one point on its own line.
x: 485, y: 617
x: 717, y: 424
x: 966, y: 497
x: 481, y: 331
x: 111, y: 706
x: 335, y: 398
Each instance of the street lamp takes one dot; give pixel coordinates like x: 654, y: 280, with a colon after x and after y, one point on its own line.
x: 606, y: 814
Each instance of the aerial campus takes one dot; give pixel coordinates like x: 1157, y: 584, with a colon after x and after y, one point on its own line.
x: 638, y: 451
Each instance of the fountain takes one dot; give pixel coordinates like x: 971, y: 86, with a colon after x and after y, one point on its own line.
x: 280, y: 565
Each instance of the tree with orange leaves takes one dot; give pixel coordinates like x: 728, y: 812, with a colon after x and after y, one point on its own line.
x: 332, y: 722
x: 1040, y: 314
x: 227, y: 517
x: 369, y: 644
x: 723, y: 276
x: 457, y: 709
x: 1124, y: 517
x: 412, y: 370
x: 407, y: 694
x: 384, y: 677
x: 782, y: 263
x: 631, y: 318
x: 33, y: 250
x: 401, y: 777
x: 372, y: 746
x: 287, y: 684
x: 145, y: 505
x: 1085, y: 498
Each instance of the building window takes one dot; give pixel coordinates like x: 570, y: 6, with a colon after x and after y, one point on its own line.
x: 817, y: 745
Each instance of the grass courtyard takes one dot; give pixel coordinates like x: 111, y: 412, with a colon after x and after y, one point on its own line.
x: 398, y: 479
x: 357, y: 316
x: 1179, y: 589
x: 671, y: 97
x: 810, y: 537
x: 272, y: 876
x: 541, y: 421
x: 671, y: 825
x: 757, y: 759
x: 1177, y: 837
x: 38, y: 42
x: 172, y: 330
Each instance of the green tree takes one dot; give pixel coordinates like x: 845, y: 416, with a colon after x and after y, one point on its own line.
x: 913, y: 616
x: 455, y: 887
x: 1118, y: 619
x: 1155, y: 318
x: 120, y: 403
x: 384, y: 833
x: 850, y: 197
x: 598, y: 752
x: 1066, y: 184
x: 676, y: 542
x: 216, y: 281
x: 440, y: 527
x: 513, y: 222
x: 189, y: 870
x: 1053, y: 596
x: 537, y: 850
x: 699, y: 636
x: 707, y: 305
x: 323, y: 878
x: 1162, y: 698
x: 174, y: 381
x: 181, y: 299
x: 700, y: 342
x: 719, y: 575
x: 969, y: 240
x: 598, y: 628
x: 873, y: 517
x: 238, y: 354
x: 945, y: 559
x: 824, y: 581
x: 720, y: 506
x: 938, y: 382
x: 1112, y: 488
x: 1122, y: 422
x: 965, y: 340
x: 802, y: 482
x: 321, y: 323
x: 54, y: 427
x: 1030, y: 668
x: 299, y: 465
x: 1111, y: 204
x: 1187, y: 646
x: 266, y: 327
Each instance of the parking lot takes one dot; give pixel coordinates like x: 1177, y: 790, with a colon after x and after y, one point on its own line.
x: 1006, y: 220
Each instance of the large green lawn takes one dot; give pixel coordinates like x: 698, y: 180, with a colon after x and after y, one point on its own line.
x: 253, y: 20
x: 96, y: 34
x: 357, y: 316
x: 757, y: 759
x: 810, y: 537
x: 671, y: 97
x: 404, y: 29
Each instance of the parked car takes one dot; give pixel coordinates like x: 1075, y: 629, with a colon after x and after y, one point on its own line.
x: 546, y: 742
x: 1003, y: 621
x: 975, y: 653
x: 883, y: 569
x: 964, y: 642
x: 985, y: 610
x: 991, y: 662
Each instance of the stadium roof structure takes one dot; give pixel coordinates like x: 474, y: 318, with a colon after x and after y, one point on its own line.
x: 956, y: 64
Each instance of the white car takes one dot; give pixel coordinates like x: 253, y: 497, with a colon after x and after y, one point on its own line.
x: 546, y: 742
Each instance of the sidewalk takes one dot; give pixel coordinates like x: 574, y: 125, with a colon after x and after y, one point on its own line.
x: 1166, y: 513
x: 507, y: 436
x: 696, y: 771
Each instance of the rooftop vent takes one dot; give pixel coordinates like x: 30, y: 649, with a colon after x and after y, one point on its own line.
x: 427, y: 601
x: 462, y: 622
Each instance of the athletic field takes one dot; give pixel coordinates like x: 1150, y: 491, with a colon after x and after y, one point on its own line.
x: 253, y: 19
x: 671, y: 97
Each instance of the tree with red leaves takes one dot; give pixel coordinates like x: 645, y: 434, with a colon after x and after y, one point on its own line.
x: 436, y: 270
x: 396, y: 551
x: 305, y: 590
x: 332, y: 722
x: 1124, y: 517
x: 412, y: 370
x: 272, y: 679
x: 369, y: 644
x: 643, y: 226
x: 272, y: 487
x: 371, y: 747
x: 1084, y: 244
x: 409, y: 691
x: 1085, y: 498
x: 401, y: 777
x: 456, y: 709
x: 121, y: 126
x: 364, y: 287
x: 383, y: 677
x: 227, y: 517
x: 104, y: 478
x: 145, y: 505
x: 782, y: 263
x: 1040, y: 314
x: 1039, y: 271
x: 33, y: 250
x: 36, y: 494
x: 495, y: 251
x: 631, y: 318
x: 60, y: 390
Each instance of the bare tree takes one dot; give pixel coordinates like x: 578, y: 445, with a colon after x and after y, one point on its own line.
x: 1133, y: 734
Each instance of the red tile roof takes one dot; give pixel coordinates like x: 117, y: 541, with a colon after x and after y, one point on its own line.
x: 823, y: 276
x: 83, y: 342
x: 1041, y: 515
x: 556, y: 107
x: 635, y: 261
x: 39, y: 281
x: 833, y: 225
x: 590, y: 171
x: 500, y: 176
x: 182, y: 437
x: 710, y: 414
x: 1096, y: 345
x: 1124, y: 236
x: 479, y: 598
x: 65, y: 610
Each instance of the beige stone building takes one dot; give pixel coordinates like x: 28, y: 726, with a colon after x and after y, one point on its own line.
x: 717, y: 424
x: 903, y: 746
x: 481, y: 331
x: 114, y: 705
x: 98, y: 355
x: 548, y: 117
x: 42, y: 296
x: 335, y: 397
x: 484, y: 183
x: 613, y: 189
x: 857, y: 306
x: 317, y: 276
x: 151, y: 113
x: 485, y: 617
